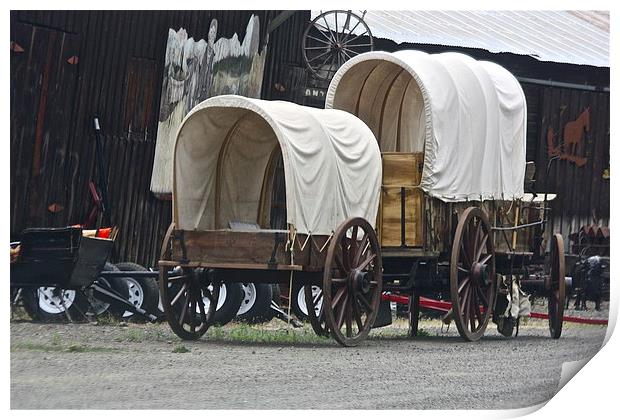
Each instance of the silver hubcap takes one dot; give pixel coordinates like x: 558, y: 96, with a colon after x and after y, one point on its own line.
x: 55, y: 301
x: 301, y: 300
x: 136, y: 295
x: 249, y: 298
x: 220, y: 301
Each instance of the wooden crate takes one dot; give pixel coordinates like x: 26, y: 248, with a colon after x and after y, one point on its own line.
x: 401, y: 176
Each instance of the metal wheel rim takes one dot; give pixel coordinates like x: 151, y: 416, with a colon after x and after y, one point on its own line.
x: 51, y: 303
x: 351, y: 300
x: 472, y: 252
x: 301, y: 300
x: 332, y: 46
x: 249, y: 298
x: 136, y: 294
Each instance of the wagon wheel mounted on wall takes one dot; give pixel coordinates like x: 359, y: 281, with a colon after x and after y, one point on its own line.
x: 352, y: 282
x: 472, y: 274
x: 557, y: 289
x: 332, y: 38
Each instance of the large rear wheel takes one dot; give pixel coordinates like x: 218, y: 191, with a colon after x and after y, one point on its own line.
x: 557, y: 290
x: 472, y: 274
x: 352, y: 282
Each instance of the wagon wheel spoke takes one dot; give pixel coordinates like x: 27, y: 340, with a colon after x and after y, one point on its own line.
x: 201, y: 309
x: 178, y: 295
x: 472, y: 310
x: 486, y: 259
x: 478, y: 314
x: 481, y: 247
x: 338, y: 296
x: 192, y: 311
x: 465, y: 256
x: 464, y: 284
x: 484, y: 299
x: 349, y: 317
x: 365, y: 303
x: 184, y: 309
x: 358, y: 316
x: 341, y: 313
x: 367, y: 261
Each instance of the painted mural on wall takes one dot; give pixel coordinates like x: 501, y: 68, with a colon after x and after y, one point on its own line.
x: 572, y: 145
x: 195, y: 71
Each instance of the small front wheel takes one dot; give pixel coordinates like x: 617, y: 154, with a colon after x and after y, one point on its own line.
x: 183, y: 295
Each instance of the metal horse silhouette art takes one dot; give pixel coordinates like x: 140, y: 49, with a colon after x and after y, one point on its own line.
x: 573, y: 137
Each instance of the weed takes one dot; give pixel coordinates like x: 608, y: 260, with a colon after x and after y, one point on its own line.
x: 180, y: 349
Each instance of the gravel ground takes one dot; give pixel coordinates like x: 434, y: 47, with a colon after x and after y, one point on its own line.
x: 146, y: 367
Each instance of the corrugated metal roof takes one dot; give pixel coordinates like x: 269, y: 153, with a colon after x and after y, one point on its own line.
x: 575, y: 37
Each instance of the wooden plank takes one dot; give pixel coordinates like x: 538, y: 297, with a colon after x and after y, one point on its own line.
x: 225, y: 246
x: 402, y: 169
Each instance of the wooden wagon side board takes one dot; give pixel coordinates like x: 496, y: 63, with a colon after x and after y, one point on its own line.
x: 264, y: 248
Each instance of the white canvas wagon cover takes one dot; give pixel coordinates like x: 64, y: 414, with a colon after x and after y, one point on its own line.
x: 467, y: 116
x: 332, y: 165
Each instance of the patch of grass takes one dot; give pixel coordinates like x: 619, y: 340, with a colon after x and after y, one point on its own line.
x: 134, y: 335
x: 180, y: 349
x: 108, y: 319
x: 56, y: 341
x: 83, y: 348
x: 248, y: 334
x: 73, y: 348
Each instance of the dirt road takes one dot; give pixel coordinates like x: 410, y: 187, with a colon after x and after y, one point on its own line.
x: 146, y: 366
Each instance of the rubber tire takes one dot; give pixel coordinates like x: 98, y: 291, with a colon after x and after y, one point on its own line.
x: 150, y: 290
x: 230, y: 307
x: 261, y: 310
x: 30, y: 299
x: 298, y: 288
x: 119, y: 285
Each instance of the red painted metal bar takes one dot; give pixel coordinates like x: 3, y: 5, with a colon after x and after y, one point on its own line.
x: 439, y: 305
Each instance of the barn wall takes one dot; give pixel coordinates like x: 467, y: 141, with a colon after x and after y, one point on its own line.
x: 574, y: 125
x: 69, y: 66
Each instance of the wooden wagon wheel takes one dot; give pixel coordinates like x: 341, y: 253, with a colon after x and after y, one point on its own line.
x: 352, y: 282
x: 557, y: 290
x: 314, y: 304
x: 332, y: 38
x: 189, y: 301
x: 472, y: 274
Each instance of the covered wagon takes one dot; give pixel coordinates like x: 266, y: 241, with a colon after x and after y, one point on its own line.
x: 454, y: 216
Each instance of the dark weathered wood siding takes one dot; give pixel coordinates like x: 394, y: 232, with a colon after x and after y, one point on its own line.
x: 69, y: 66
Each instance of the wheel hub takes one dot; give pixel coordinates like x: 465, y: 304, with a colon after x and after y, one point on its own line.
x: 480, y: 274
x: 360, y: 281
